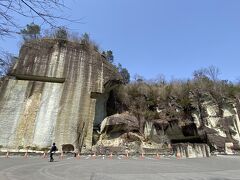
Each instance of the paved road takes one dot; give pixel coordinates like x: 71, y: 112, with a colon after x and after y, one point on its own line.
x: 214, y: 168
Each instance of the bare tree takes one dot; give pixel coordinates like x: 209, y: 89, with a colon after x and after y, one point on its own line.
x: 44, y: 10
x: 213, y: 73
x: 7, y: 61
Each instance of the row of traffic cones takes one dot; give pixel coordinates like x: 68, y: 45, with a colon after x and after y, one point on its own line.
x: 44, y: 155
x: 126, y: 156
x: 25, y: 155
x: 178, y: 156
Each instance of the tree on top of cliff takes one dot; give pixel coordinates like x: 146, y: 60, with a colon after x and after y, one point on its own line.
x: 61, y: 33
x: 85, y: 38
x: 31, y: 32
x: 212, y: 73
x: 109, y: 56
x: 124, y: 73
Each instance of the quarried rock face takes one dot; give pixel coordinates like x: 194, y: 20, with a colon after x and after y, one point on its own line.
x: 52, y: 95
x: 209, y: 124
x: 188, y: 150
x: 217, y: 123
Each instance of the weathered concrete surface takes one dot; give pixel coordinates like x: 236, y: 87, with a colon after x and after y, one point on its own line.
x: 48, y: 96
x: 214, y: 168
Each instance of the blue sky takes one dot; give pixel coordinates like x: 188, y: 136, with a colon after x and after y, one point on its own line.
x: 170, y: 37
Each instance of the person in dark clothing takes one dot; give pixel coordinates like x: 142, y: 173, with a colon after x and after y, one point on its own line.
x: 53, y: 149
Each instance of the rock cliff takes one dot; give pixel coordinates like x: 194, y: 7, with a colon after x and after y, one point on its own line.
x: 182, y: 118
x: 56, y: 92
x: 64, y: 93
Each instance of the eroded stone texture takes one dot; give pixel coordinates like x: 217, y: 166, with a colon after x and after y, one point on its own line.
x: 124, y: 122
x: 210, y: 124
x: 191, y: 150
x: 52, y: 93
x: 219, y: 124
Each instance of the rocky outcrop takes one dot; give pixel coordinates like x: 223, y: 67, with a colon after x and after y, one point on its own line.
x: 217, y: 123
x: 53, y: 95
x: 117, y: 137
x: 121, y: 131
x: 207, y: 123
x: 120, y: 123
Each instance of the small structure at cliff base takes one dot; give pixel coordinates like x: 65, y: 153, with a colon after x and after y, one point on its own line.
x: 55, y: 93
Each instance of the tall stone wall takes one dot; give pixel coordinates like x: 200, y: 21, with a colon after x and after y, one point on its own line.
x: 51, y: 95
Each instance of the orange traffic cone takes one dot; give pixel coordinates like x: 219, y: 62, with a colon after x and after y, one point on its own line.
x: 44, y: 155
x: 126, y: 157
x: 78, y: 156
x: 7, y: 154
x: 26, y: 155
x: 94, y: 155
x: 142, y: 156
x: 61, y: 155
x: 178, y: 155
x: 111, y: 156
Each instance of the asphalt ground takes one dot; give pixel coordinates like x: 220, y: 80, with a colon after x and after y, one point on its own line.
x: 120, y: 168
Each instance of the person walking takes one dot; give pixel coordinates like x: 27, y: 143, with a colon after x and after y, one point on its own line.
x: 53, y: 150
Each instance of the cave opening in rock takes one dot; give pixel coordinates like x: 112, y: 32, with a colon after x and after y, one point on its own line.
x: 196, y: 140
x: 112, y: 104
x: 104, y: 107
x: 107, y: 104
x: 67, y: 148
